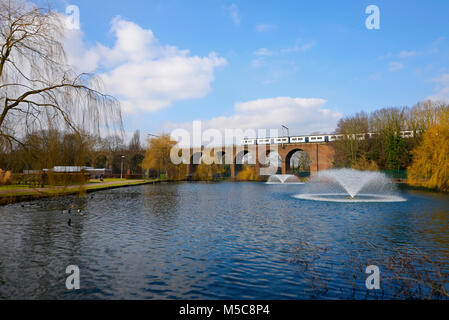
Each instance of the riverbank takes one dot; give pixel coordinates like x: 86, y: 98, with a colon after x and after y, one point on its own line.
x: 406, y: 186
x: 14, y: 194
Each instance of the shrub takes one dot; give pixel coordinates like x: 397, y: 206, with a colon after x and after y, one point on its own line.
x: 5, y: 177
x: 247, y: 174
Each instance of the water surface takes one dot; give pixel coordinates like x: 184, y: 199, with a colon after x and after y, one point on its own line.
x: 214, y: 241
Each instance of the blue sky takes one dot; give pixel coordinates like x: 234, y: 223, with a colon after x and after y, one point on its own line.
x: 259, y: 51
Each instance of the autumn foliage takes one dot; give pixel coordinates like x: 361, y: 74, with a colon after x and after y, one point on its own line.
x: 365, y: 165
x: 247, y: 174
x: 430, y: 167
x: 158, y: 158
x: 205, y: 172
x: 5, y: 177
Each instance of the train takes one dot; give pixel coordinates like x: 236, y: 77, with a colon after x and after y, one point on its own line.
x: 316, y: 138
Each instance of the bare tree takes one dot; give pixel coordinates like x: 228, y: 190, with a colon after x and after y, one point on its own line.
x: 38, y: 89
x: 134, y: 145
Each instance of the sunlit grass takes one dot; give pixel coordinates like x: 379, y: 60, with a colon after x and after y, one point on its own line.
x: 18, y: 191
x: 107, y: 180
x: 17, y: 187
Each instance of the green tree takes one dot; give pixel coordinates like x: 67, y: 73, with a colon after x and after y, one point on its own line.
x: 350, y: 148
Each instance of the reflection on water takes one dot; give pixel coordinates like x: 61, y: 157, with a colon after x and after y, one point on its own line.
x: 212, y: 241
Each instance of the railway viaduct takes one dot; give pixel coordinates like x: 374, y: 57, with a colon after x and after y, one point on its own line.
x: 321, y: 156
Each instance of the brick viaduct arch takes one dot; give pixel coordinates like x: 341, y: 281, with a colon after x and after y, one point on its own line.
x: 321, y: 156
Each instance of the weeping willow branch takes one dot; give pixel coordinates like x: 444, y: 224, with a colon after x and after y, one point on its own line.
x: 38, y: 89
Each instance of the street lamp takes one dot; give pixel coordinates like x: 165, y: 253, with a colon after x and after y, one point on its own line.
x: 121, y: 171
x: 288, y: 130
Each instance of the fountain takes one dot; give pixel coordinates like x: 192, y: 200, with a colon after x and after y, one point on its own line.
x: 349, y: 185
x: 283, y: 179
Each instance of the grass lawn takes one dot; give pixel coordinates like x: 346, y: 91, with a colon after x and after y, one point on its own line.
x: 11, y: 194
x: 17, y: 187
x: 107, y: 183
x: 106, y: 180
x: 118, y: 183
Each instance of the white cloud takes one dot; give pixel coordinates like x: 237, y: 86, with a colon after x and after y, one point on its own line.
x: 266, y: 27
x: 261, y: 54
x: 275, y: 76
x: 442, y: 88
x: 256, y: 63
x: 395, y: 66
x: 264, y: 52
x: 144, y: 74
x: 435, y: 45
x: 82, y: 59
x: 386, y: 56
x: 234, y: 13
x: 299, y: 47
x: 406, y: 54
x: 375, y: 76
x: 302, y: 115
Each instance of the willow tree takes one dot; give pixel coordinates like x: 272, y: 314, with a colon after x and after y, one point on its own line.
x: 247, y: 174
x: 38, y: 89
x: 158, y: 158
x: 210, y: 170
x: 430, y: 167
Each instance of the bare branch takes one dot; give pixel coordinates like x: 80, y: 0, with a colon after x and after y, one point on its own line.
x: 38, y: 90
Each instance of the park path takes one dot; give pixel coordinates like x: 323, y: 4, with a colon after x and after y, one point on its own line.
x: 75, y: 187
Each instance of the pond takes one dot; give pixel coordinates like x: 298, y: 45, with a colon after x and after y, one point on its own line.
x: 222, y: 241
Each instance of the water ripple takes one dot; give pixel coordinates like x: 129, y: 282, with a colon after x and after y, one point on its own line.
x: 208, y: 241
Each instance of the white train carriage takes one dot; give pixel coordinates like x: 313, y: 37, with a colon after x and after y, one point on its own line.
x: 298, y: 140
x: 281, y: 140
x: 249, y: 142
x: 263, y: 141
x: 335, y: 137
x: 407, y: 134
x: 317, y: 139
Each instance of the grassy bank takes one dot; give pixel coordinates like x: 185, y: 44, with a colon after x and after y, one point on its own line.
x: 15, y: 193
